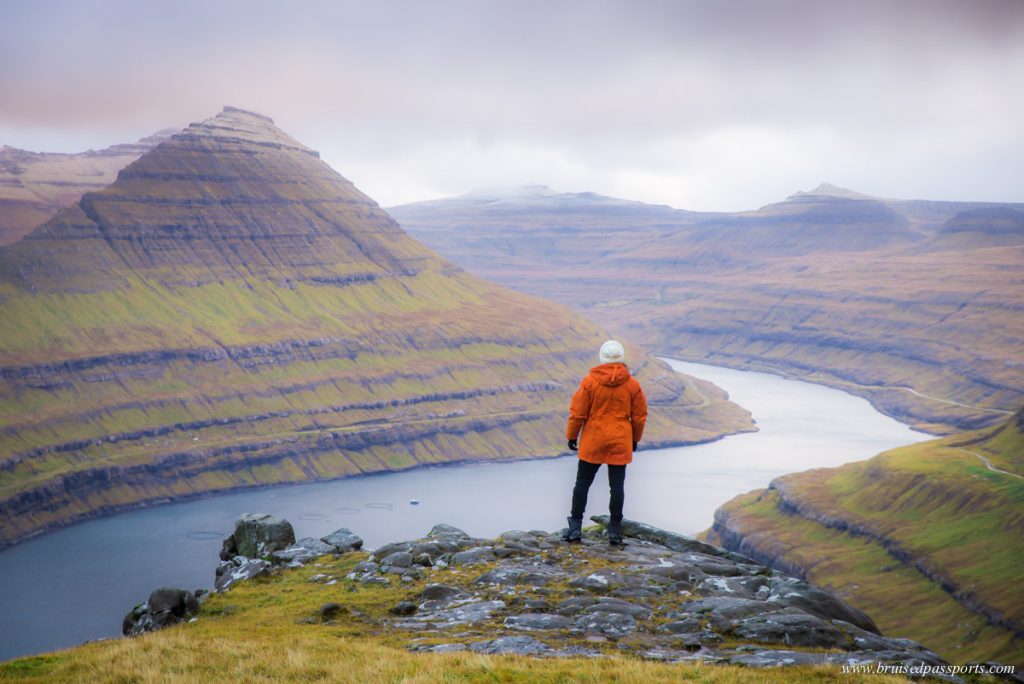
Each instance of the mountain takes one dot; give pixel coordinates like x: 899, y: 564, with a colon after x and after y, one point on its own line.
x: 485, y: 229
x: 523, y: 607
x: 926, y: 538
x: 34, y: 186
x: 829, y: 285
x: 231, y: 312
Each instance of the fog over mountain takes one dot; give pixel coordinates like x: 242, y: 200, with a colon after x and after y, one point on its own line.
x: 705, y: 106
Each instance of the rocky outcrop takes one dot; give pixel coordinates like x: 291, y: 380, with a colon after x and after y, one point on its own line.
x: 664, y: 596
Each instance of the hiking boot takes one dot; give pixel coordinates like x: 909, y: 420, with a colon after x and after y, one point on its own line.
x: 575, y: 531
x: 615, y: 533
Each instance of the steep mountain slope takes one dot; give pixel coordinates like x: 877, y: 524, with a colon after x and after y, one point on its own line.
x: 34, y: 186
x: 926, y: 538
x: 232, y: 312
x: 831, y: 286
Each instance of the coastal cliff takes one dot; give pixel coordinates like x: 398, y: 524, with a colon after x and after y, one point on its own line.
x: 926, y: 538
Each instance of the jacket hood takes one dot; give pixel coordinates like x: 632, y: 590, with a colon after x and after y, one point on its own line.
x: 610, y: 374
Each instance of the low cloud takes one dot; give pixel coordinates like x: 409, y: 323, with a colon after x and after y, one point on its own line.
x: 715, y: 106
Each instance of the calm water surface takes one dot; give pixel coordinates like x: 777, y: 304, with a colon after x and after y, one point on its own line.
x: 77, y: 584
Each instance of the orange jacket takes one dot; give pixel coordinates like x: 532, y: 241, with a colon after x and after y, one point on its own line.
x: 610, y: 409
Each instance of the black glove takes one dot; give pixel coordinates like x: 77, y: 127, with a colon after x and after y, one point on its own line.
x: 572, y: 445
x: 634, y: 446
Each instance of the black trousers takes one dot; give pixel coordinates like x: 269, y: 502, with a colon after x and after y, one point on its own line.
x: 585, y: 473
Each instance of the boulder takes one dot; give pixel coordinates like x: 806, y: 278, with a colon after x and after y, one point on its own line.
x: 257, y: 535
x: 343, y: 540
x: 166, y: 606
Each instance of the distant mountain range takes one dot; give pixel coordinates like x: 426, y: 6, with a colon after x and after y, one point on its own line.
x: 231, y: 312
x: 34, y: 186
x: 917, y: 305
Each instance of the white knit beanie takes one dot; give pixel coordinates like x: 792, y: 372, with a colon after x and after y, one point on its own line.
x: 612, y: 352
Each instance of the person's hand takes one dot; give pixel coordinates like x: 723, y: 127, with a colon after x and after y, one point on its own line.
x: 634, y: 446
x: 572, y: 445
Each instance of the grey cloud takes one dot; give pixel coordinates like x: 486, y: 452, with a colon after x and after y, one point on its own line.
x: 671, y: 101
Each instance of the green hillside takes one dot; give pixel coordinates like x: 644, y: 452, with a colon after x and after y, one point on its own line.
x: 928, y: 539
x: 232, y: 312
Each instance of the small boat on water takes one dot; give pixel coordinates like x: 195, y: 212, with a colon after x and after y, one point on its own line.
x: 414, y: 502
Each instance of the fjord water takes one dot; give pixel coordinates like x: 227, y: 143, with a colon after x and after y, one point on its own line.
x: 77, y: 584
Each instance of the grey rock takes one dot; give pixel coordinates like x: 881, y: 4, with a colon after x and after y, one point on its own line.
x: 301, y: 552
x: 398, y: 559
x: 575, y: 605
x: 607, y: 624
x: 506, y: 575
x: 792, y: 629
x: 343, y: 540
x: 607, y: 604
x: 461, y: 614
x: 475, y: 556
x: 780, y: 658
x: 365, y: 566
x: 239, y: 569
x: 671, y: 540
x: 441, y: 592
x: 257, y: 535
x: 518, y: 645
x: 599, y: 581
x: 391, y: 548
x: 443, y: 530
x: 757, y: 586
x: 166, y: 606
x: 440, y: 648
x: 537, y: 621
x: 181, y: 602
x: 728, y: 607
x: 788, y: 591
x: 685, y: 626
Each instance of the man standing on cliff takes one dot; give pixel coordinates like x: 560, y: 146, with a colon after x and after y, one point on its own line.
x: 606, y: 420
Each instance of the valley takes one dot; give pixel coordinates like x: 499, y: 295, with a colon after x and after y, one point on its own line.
x: 915, y: 305
x: 231, y: 312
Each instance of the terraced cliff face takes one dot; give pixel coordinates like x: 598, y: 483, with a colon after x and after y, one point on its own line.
x: 926, y: 538
x: 232, y: 312
x: 34, y: 186
x: 915, y: 305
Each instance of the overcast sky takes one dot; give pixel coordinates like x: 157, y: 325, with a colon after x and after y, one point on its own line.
x: 714, y: 105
